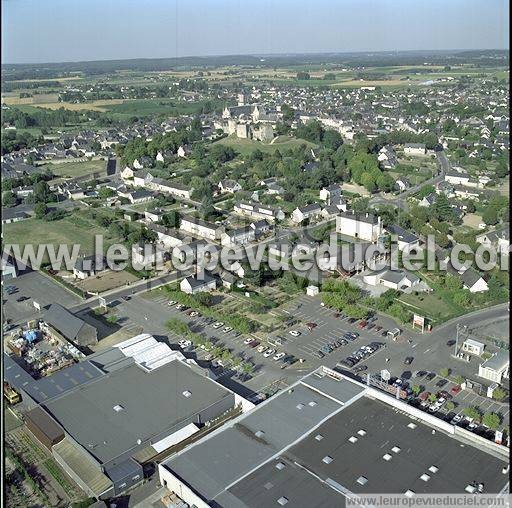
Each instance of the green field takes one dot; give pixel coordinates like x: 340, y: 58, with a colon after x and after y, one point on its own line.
x: 247, y: 146
x: 76, y: 168
x: 148, y: 107
x: 72, y: 229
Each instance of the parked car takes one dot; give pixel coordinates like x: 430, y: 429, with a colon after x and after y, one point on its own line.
x: 248, y: 341
x: 311, y: 326
x: 254, y: 343
x: 261, y: 348
x: 441, y: 383
x: 194, y: 313
x: 227, y: 329
x: 450, y: 343
x: 378, y: 328
x: 294, y: 333
x: 362, y: 324
x: 318, y: 354
x: 408, y: 360
x: 278, y: 356
x: 218, y: 325
x: 455, y: 389
x: 269, y: 352
x: 430, y: 376
x: 421, y: 373
x: 22, y: 298
x: 370, y: 326
x: 352, y: 320
x: 456, y: 419
x: 171, y: 303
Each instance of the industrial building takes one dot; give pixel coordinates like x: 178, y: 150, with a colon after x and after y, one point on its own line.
x: 327, y: 438
x: 122, y: 408
x: 496, y: 367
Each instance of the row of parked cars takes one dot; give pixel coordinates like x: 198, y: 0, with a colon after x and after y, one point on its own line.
x: 360, y: 354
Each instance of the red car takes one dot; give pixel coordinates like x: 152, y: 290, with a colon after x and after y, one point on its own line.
x: 455, y: 389
x: 254, y: 343
x: 311, y: 326
x: 362, y: 324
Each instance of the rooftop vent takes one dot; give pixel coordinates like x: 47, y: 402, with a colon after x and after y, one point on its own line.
x: 362, y: 480
x: 433, y: 469
x: 312, y: 403
x: 282, y: 501
x: 409, y: 493
x: 300, y: 406
x: 387, y: 457
x: 470, y: 488
x: 327, y: 459
x: 187, y: 394
x: 395, y: 449
x: 259, y: 433
x: 412, y: 425
x: 361, y: 432
x: 352, y: 439
x: 319, y: 437
x: 117, y: 408
x: 425, y: 477
x: 268, y: 485
x: 280, y: 465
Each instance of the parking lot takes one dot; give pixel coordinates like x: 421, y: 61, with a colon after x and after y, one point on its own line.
x: 35, y: 287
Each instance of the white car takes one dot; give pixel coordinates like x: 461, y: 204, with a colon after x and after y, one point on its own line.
x: 194, y: 313
x: 269, y: 352
x: 456, y: 419
x: 248, y: 341
x: 171, y: 303
x: 227, y: 329
x: 184, y: 343
x: 218, y: 324
x: 294, y: 333
x: 278, y: 356
x: 261, y: 348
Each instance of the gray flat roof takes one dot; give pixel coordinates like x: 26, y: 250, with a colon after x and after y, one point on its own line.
x: 235, y: 467
x: 153, y: 405
x: 458, y: 464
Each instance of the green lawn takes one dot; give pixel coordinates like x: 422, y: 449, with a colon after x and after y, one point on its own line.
x: 73, y: 229
x: 76, y: 168
x: 247, y: 146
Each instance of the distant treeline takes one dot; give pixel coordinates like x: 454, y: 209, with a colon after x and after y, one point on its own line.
x: 10, y: 86
x: 484, y: 58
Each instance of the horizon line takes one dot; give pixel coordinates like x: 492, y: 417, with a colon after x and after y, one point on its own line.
x: 261, y: 55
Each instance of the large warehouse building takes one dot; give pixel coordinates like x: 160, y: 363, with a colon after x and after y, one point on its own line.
x: 141, y: 402
x: 328, y: 438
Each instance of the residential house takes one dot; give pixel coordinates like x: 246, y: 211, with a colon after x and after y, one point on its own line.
x: 330, y: 193
x: 311, y: 211
x: 261, y: 227
x: 363, y: 226
x: 498, y: 239
x: 415, y: 149
x: 258, y: 211
x: 393, y: 279
x: 168, y: 237
x: 387, y: 157
x: 199, y: 227
x: 402, y: 184
x: 405, y: 239
x: 229, y: 186
x: 89, y: 266
x: 203, y: 282
x: 10, y: 215
x: 240, y: 236
x: 428, y: 200
x: 473, y: 281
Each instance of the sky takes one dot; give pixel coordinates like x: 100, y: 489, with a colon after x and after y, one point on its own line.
x: 36, y: 31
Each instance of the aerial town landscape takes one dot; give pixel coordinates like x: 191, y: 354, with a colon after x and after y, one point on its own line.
x: 255, y: 277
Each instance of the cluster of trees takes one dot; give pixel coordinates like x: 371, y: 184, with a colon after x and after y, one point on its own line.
x: 302, y: 75
x: 496, y: 210
x: 364, y: 170
x: 314, y: 131
x: 13, y: 141
x: 401, y: 137
x: 388, y: 303
x: 341, y: 295
x: 44, y: 117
